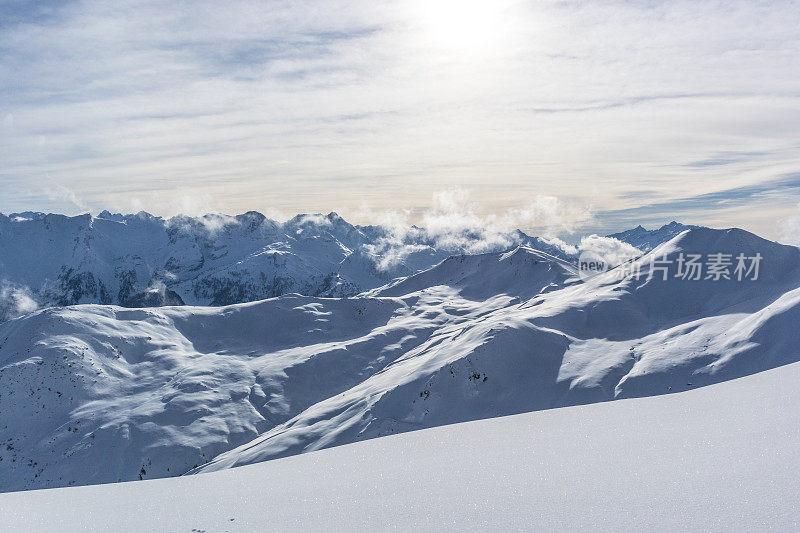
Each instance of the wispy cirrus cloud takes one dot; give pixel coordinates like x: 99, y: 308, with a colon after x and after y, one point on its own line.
x: 759, y: 197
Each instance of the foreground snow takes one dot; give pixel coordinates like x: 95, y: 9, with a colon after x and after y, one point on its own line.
x: 719, y: 458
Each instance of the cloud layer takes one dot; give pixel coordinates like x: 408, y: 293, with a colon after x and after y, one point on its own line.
x: 457, y: 223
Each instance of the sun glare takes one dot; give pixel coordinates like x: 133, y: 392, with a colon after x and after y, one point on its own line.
x: 468, y: 26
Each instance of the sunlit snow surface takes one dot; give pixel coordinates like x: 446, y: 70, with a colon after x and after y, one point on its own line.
x: 720, y: 458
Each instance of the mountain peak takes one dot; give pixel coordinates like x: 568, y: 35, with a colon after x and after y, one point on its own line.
x: 646, y: 240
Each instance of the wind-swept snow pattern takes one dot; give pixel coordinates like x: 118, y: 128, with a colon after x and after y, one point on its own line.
x: 97, y: 393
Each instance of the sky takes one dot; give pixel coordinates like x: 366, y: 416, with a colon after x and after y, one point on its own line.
x: 570, y: 116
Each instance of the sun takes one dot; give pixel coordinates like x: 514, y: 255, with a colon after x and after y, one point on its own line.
x: 468, y: 26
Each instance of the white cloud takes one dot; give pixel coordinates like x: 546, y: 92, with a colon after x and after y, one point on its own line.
x: 66, y: 197
x: 790, y: 229
x: 613, y: 251
x: 214, y: 222
x: 454, y: 220
x: 15, y: 300
x: 457, y: 224
x: 315, y: 219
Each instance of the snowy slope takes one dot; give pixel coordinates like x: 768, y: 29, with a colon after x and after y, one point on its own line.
x: 523, y: 272
x: 96, y: 393
x: 142, y: 260
x: 721, y: 458
x: 100, y: 393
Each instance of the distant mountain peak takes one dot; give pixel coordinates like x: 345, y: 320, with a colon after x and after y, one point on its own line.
x: 646, y: 240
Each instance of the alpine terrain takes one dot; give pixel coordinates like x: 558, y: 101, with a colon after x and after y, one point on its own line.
x: 98, y: 393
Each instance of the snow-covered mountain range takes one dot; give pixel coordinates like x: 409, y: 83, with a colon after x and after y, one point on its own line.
x: 99, y: 393
x: 143, y: 261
